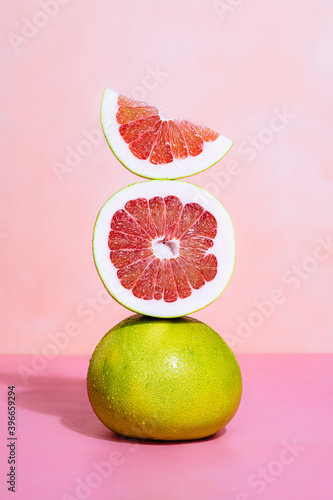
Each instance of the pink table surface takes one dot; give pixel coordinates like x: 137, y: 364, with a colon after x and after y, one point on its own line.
x: 278, y: 446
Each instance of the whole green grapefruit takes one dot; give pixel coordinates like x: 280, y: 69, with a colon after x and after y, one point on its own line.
x: 165, y: 379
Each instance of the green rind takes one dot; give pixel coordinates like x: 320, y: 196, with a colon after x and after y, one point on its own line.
x: 133, y: 410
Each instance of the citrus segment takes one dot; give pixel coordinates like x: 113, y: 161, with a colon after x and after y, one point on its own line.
x: 173, y: 209
x: 168, y: 283
x: 161, y: 152
x: 119, y: 240
x: 157, y: 211
x: 194, y: 142
x: 206, y: 133
x: 190, y: 214
x: 133, y: 113
x: 129, y: 275
x: 141, y: 147
x: 123, y: 222
x: 122, y: 258
x: 193, y: 274
x: 206, y: 225
x: 181, y: 281
x: 139, y: 210
x: 171, y: 254
x: 156, y: 147
x: 159, y: 283
x: 208, y: 266
x: 126, y: 101
x: 194, y: 248
x: 144, y: 287
x: 132, y: 130
x: 177, y: 141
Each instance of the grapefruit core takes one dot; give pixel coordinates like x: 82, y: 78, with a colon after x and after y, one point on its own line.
x: 153, y: 146
x: 164, y: 248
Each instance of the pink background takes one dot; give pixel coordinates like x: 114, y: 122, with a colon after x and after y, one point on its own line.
x: 260, y: 75
x: 278, y: 445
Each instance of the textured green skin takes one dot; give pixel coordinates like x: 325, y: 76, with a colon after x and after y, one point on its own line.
x: 165, y: 379
x: 145, y: 176
x: 156, y: 314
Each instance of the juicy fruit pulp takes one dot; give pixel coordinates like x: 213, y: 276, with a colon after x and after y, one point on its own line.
x: 153, y: 146
x: 150, y: 136
x: 164, y: 379
x: 165, y: 255
x: 148, y: 229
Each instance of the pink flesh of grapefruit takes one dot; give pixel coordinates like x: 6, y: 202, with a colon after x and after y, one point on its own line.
x: 164, y: 248
x: 156, y: 147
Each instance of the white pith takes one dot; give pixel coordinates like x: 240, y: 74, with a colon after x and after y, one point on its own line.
x: 165, y: 249
x: 212, y: 153
x: 223, y: 248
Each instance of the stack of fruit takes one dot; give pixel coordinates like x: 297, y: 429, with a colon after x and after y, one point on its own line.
x: 164, y: 249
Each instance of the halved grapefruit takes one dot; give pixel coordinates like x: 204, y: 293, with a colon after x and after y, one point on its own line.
x: 153, y: 146
x: 164, y: 248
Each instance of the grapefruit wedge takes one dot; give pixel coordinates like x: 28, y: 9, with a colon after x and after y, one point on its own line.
x: 164, y: 248
x: 153, y: 146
